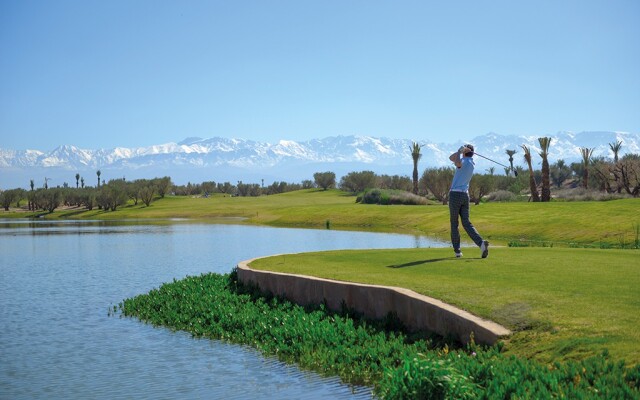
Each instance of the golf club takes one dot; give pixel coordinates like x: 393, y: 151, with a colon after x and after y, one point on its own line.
x: 506, y: 166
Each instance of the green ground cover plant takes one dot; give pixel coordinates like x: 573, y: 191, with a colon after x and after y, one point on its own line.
x: 398, y: 366
x: 562, y: 303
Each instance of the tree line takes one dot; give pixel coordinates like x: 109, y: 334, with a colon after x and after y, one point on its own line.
x: 616, y: 175
x: 107, y: 196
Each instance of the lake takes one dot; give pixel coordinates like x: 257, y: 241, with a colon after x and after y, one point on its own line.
x: 59, y: 279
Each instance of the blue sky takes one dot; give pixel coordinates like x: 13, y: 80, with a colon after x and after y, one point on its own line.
x: 101, y: 74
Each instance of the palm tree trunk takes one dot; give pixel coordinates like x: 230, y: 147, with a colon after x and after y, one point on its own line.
x: 535, y: 197
x: 546, y: 185
x: 415, y: 154
x: 544, y: 153
x: 415, y: 176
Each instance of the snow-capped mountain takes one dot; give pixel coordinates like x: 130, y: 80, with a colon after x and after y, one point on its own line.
x: 222, y: 159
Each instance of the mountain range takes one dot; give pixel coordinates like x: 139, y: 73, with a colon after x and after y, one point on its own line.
x: 222, y: 159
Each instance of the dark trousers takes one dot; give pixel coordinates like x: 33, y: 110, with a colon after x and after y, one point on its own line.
x: 459, y: 207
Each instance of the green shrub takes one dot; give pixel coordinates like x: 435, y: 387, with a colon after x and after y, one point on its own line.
x: 581, y: 194
x: 502, y: 195
x: 389, y: 197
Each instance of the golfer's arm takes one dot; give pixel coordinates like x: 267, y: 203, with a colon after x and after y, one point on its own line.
x: 455, y: 158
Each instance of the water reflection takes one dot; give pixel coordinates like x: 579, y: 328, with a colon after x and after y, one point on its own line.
x: 60, y: 277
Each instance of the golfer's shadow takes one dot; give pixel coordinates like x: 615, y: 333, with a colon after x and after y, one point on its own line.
x: 420, y: 262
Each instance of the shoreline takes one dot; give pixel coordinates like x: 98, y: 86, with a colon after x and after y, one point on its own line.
x: 417, y: 312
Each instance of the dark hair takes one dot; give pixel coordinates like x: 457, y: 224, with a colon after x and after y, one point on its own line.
x: 469, y: 153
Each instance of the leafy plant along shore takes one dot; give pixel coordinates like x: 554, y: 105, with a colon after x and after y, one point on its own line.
x: 374, y: 353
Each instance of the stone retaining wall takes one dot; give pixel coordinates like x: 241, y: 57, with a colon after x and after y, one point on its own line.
x: 416, y: 311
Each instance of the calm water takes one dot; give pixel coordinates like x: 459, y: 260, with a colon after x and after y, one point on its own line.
x: 58, y: 280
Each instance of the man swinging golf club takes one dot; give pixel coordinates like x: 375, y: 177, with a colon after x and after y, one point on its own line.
x: 459, y: 200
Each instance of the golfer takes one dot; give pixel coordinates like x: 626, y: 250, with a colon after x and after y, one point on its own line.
x: 459, y: 200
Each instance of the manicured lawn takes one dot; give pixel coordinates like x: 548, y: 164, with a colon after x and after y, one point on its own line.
x: 562, y: 303
x: 597, y: 224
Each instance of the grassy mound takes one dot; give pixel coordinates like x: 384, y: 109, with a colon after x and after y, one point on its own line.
x: 563, y: 304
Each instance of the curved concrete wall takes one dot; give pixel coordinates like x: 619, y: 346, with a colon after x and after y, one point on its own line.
x: 416, y: 311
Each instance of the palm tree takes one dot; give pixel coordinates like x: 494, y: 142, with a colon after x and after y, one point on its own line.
x: 415, y: 154
x: 545, y: 142
x: 82, y: 183
x: 615, y: 147
x: 98, y: 173
x: 586, y: 160
x: 32, y: 205
x: 510, y: 153
x: 77, y: 180
x: 532, y: 180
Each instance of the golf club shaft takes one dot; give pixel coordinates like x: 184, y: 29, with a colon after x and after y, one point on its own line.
x: 508, y: 168
x: 487, y: 158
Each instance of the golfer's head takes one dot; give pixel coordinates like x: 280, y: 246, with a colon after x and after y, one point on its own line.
x: 469, y: 153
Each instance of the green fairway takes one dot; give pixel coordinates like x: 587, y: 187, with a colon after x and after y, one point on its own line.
x: 596, y: 224
x: 562, y: 303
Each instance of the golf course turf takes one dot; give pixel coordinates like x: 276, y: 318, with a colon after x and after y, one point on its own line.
x: 567, y: 297
x: 562, y: 304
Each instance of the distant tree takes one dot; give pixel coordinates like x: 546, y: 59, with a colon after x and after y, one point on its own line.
x: 7, y: 197
x: 133, y: 190
x: 325, y: 180
x: 89, y: 198
x: 626, y: 172
x: 20, y: 193
x: 533, y: 187
x: 395, y: 182
x: 438, y: 182
x: 586, y: 159
x: 208, y: 187
x: 480, y: 186
x: 248, y: 189
x: 416, y: 156
x: 146, y: 193
x: 615, y: 147
x: 276, y: 188
x: 49, y: 200
x: 162, y: 185
x: 600, y: 175
x: 510, y: 153
x: 226, y: 188
x: 82, y: 183
x: 77, y: 180
x: 98, y: 173
x: 31, y: 196
x: 356, y: 182
x: 307, y: 184
x: 112, y: 195
x: 559, y: 173
x: 545, y: 142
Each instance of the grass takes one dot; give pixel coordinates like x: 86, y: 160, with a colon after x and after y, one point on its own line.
x: 599, y: 224
x: 563, y: 304
x: 563, y: 301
